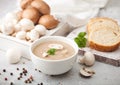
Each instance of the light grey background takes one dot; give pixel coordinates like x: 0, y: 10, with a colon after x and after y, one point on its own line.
x: 105, y: 74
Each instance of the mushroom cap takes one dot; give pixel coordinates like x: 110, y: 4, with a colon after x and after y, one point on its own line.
x: 86, y: 72
x: 26, y: 24
x: 34, y: 35
x: 13, y: 55
x: 21, y: 35
x: 42, y: 6
x: 7, y: 28
x: 25, y: 3
x: 48, y: 21
x: 41, y: 29
x: 89, y: 58
x: 32, y: 14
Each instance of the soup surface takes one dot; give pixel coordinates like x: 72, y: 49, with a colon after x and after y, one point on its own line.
x: 60, y: 50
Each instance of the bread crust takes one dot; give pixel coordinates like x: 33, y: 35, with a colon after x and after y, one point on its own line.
x: 103, y: 48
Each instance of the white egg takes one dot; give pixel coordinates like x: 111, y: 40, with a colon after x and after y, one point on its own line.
x: 21, y: 35
x: 7, y: 28
x: 13, y: 55
x: 41, y: 29
x: 89, y: 58
x: 34, y: 35
x: 26, y: 24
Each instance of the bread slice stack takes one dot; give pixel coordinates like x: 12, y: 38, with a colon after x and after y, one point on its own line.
x: 103, y: 34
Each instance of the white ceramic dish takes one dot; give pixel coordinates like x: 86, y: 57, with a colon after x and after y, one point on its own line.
x: 54, y: 67
x: 7, y: 42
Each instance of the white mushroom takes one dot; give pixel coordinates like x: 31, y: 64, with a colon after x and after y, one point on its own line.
x: 65, y: 51
x: 7, y: 28
x: 45, y: 54
x: 21, y: 35
x: 25, y: 24
x: 41, y: 29
x: 11, y: 17
x: 86, y: 72
x: 13, y: 55
x: 34, y: 35
x: 28, y: 35
x: 89, y: 58
x: 17, y: 27
x: 56, y: 46
x: 82, y: 60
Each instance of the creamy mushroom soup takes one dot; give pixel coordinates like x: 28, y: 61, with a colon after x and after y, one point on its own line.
x: 53, y: 50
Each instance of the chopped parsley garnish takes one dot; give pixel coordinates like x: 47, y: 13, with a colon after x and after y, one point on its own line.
x: 81, y: 40
x: 51, y: 51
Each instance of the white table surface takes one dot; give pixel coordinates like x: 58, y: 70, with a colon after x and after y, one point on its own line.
x: 105, y: 74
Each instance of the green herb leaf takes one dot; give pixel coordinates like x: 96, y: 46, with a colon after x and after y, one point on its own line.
x: 51, y: 51
x: 82, y: 34
x: 81, y: 40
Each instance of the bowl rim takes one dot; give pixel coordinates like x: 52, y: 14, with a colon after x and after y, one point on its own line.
x: 59, y: 60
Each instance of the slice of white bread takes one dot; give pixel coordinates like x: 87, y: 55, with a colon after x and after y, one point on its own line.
x: 103, y: 36
x: 101, y: 22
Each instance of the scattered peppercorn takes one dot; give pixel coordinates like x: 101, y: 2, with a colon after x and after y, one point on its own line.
x: 11, y: 74
x: 21, y: 73
x: 30, y: 81
x: 0, y: 73
x: 39, y: 71
x: 17, y: 68
x: 35, y: 69
x: 6, y: 79
x: 41, y: 83
x: 18, y: 78
x: 25, y: 74
x: 23, y: 68
x: 26, y: 81
x: 4, y: 70
x: 11, y: 83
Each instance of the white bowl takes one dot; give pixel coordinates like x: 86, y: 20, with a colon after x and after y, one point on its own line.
x: 53, y: 67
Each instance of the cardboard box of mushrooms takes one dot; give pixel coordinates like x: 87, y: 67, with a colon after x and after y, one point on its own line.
x: 29, y: 23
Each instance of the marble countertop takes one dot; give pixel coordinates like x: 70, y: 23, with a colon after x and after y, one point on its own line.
x: 104, y: 74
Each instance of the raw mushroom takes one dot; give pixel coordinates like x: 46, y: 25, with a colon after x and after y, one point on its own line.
x: 25, y: 24
x: 89, y: 59
x: 13, y: 55
x: 25, y: 3
x: 42, y: 6
x: 19, y: 15
x: 21, y: 35
x: 7, y: 28
x: 48, y: 21
x: 82, y: 60
x: 34, y: 35
x: 41, y: 29
x: 85, y: 72
x: 28, y: 36
x: 32, y: 14
x: 11, y: 18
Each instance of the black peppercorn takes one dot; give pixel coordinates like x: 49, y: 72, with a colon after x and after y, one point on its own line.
x: 11, y: 83
x: 4, y: 70
x: 11, y: 74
